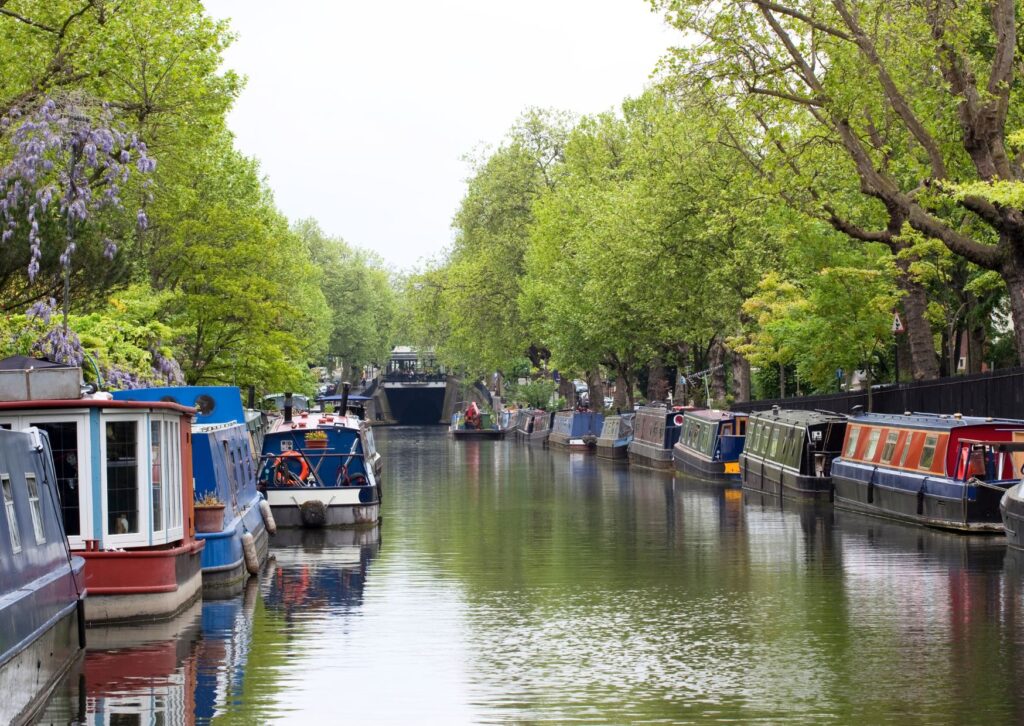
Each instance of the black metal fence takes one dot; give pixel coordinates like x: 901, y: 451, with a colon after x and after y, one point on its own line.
x: 998, y: 393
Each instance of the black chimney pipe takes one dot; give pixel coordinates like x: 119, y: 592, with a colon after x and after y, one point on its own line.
x: 252, y: 397
x: 345, y: 387
x: 288, y: 407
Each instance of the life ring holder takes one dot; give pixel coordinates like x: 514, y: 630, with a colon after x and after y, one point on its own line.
x: 282, y: 461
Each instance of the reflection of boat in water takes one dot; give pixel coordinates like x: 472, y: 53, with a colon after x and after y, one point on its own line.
x: 133, y: 674
x: 319, y: 568
x: 224, y: 651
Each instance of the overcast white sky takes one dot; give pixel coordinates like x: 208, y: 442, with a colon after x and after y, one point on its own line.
x: 361, y: 112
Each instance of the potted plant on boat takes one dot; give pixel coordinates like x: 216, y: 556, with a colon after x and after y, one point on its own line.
x: 315, y: 440
x: 209, y: 513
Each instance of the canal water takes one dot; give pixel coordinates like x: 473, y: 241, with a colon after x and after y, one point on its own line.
x: 510, y: 583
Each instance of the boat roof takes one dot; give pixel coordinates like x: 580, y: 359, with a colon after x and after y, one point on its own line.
x: 51, y: 404
x: 798, y: 416
x: 214, y: 404
x: 940, y: 422
x: 714, y: 414
x: 309, y: 421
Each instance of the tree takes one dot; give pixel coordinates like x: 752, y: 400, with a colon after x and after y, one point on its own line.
x: 921, y: 102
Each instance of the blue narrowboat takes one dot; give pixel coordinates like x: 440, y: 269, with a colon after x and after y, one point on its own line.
x: 790, y: 452
x: 711, y: 443
x: 42, y: 624
x: 316, y: 470
x: 224, y: 469
x: 655, y: 431
x: 616, y: 435
x: 945, y: 471
x: 576, y: 430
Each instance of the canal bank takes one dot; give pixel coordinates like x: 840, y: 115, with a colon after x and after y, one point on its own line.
x: 511, y: 583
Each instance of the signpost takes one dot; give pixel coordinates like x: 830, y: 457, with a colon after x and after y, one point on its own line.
x: 897, y: 329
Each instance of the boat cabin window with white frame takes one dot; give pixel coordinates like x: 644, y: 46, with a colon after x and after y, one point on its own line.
x: 122, y: 463
x: 12, y: 519
x: 35, y: 506
x: 890, y: 447
x: 64, y: 445
x: 873, y: 437
x: 851, y: 442
x: 165, y: 448
x: 928, y: 452
x: 906, y: 449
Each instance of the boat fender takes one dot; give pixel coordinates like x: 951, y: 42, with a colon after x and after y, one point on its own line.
x: 268, y: 517
x: 252, y: 560
x: 80, y: 615
x: 313, y: 513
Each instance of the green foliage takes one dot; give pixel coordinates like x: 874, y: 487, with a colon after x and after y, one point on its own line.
x: 535, y: 394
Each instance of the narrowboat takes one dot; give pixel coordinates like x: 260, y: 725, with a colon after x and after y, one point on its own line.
x: 790, y: 452
x: 1011, y: 509
x: 473, y: 423
x: 314, y: 471
x: 42, y: 586
x: 655, y: 431
x: 124, y: 475
x: 534, y: 425
x: 616, y: 435
x: 576, y: 430
x: 234, y: 527
x: 710, y: 444
x: 945, y: 471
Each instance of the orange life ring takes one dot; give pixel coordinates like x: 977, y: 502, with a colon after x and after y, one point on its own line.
x: 291, y: 454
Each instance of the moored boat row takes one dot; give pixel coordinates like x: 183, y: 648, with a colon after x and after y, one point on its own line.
x: 944, y: 471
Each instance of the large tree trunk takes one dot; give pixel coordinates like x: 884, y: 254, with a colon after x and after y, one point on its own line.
x: 596, y: 385
x: 924, y: 363
x: 1013, y: 276
x: 623, y: 399
x: 716, y: 363
x: 740, y: 378
x: 567, y: 391
x: 657, y: 386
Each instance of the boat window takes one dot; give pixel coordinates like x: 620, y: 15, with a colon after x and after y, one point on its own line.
x: 873, y: 437
x: 157, y: 479
x: 35, y: 507
x: 122, y: 477
x: 12, y: 520
x: 773, y: 445
x: 64, y: 445
x: 796, y: 449
x: 172, y: 472
x: 928, y: 451
x: 890, y: 447
x: 906, y: 450
x: 851, y: 442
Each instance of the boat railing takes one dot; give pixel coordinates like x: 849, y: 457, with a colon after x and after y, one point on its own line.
x: 312, y: 460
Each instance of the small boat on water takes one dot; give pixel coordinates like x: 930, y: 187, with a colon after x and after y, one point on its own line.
x: 316, y: 470
x: 576, y: 430
x: 474, y: 423
x: 224, y: 468
x: 790, y: 452
x: 655, y: 431
x: 124, y: 474
x: 616, y: 435
x: 711, y: 443
x: 945, y: 471
x: 534, y: 425
x: 42, y: 586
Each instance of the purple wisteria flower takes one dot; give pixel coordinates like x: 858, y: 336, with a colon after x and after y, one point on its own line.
x: 65, y: 158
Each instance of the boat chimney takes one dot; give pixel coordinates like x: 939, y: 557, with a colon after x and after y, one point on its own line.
x: 252, y: 397
x: 288, y: 407
x: 345, y: 387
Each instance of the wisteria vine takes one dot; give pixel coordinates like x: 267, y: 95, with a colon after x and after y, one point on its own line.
x: 64, y: 158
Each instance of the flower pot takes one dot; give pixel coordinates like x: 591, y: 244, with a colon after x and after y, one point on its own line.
x: 209, y: 517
